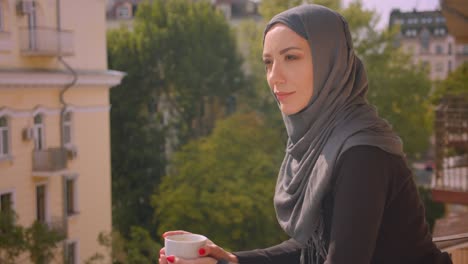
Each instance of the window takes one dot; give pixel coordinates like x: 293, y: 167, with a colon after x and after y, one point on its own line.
x: 4, y: 138
x: 41, y: 203
x: 123, y: 12
x: 449, y: 66
x: 38, y: 132
x: 71, y: 190
x: 6, y: 202
x: 71, y: 253
x: 439, y: 67
x: 450, y: 49
x: 439, y: 49
x: 67, y: 127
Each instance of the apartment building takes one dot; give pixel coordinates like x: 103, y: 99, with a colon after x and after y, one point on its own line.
x: 54, y: 119
x: 424, y: 34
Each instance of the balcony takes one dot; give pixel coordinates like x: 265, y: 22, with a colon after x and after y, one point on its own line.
x: 49, y: 162
x: 450, y: 184
x: 42, y: 41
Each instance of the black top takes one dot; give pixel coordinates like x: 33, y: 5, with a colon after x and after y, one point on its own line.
x: 374, y: 215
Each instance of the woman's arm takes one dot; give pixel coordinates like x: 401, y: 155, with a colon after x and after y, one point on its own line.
x: 287, y: 252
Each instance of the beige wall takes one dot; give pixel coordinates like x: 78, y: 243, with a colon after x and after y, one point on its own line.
x: 85, y: 18
x: 88, y: 102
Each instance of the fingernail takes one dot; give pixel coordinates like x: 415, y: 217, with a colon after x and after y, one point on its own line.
x: 171, y: 259
x: 201, y: 251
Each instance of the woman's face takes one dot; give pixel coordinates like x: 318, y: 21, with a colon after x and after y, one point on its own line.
x: 289, y: 69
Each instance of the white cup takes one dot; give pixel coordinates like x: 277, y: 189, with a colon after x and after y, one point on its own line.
x: 184, y: 245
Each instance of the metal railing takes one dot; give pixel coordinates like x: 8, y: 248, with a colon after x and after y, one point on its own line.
x: 43, y: 41
x: 50, y: 160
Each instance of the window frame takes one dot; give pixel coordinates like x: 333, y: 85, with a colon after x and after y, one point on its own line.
x: 68, y: 124
x: 36, y: 128
x: 13, y: 197
x: 73, y: 178
x: 119, y: 10
x: 76, y: 250
x: 8, y: 140
x: 46, y: 201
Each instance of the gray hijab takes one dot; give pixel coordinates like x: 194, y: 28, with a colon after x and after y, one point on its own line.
x: 337, y: 118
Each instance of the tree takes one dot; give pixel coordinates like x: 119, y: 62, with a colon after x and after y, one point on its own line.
x: 136, y: 140
x: 39, y: 240
x: 139, y: 248
x: 455, y: 84
x: 12, y: 242
x: 179, y: 53
x: 222, y: 185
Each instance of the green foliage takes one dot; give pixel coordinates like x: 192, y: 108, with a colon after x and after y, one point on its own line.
x: 39, y: 240
x: 182, y: 52
x: 12, y: 241
x: 140, y: 248
x: 222, y: 185
x: 137, y: 161
x: 434, y: 210
x: 456, y: 83
x: 191, y: 50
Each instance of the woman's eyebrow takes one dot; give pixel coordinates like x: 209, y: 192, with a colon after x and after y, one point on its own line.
x: 288, y: 49
x: 282, y: 51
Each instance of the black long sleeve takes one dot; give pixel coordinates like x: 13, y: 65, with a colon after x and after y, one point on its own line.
x: 376, y: 216
x: 287, y: 252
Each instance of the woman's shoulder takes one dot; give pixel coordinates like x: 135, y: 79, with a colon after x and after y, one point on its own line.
x: 369, y: 155
x: 363, y: 163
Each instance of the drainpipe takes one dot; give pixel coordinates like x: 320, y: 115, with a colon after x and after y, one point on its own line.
x: 62, y: 116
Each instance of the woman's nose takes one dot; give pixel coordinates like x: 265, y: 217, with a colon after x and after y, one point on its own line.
x: 276, y: 75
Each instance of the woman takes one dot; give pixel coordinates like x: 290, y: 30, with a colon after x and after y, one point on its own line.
x: 344, y: 193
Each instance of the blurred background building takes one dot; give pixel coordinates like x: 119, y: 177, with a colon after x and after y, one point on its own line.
x: 54, y: 120
x: 425, y: 36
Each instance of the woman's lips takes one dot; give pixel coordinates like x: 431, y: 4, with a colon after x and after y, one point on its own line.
x: 283, y: 95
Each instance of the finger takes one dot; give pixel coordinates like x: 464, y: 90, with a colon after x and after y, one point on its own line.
x: 213, y: 251
x: 162, y: 259
x: 176, y: 232
x: 162, y: 251
x: 171, y: 259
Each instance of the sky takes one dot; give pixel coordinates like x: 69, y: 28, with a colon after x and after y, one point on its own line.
x: 384, y: 7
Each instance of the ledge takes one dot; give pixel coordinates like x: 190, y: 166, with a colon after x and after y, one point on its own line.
x: 40, y: 78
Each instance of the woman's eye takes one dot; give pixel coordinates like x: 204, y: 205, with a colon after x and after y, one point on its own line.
x: 291, y: 57
x: 266, y: 62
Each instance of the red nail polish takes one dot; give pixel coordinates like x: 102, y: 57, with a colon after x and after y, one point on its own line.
x: 201, y: 251
x: 171, y: 259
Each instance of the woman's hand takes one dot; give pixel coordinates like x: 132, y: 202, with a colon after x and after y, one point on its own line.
x: 209, y: 254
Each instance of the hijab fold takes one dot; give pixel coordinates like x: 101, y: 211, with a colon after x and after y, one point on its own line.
x: 337, y: 118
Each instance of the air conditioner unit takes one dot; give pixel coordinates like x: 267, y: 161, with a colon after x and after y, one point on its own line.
x: 28, y: 134
x: 25, y: 7
x: 72, y: 151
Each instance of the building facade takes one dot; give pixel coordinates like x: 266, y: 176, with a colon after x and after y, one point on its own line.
x: 424, y: 35
x: 54, y: 119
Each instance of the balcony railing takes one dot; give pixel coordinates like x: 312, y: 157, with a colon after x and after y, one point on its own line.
x: 42, y: 41
x: 450, y: 183
x: 49, y: 160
